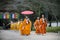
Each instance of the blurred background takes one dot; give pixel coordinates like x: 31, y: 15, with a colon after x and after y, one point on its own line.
x: 50, y: 8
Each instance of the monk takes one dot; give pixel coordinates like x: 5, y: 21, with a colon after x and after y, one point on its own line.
x: 18, y: 24
x: 43, y: 24
x: 36, y: 25
x: 12, y: 26
x: 26, y: 27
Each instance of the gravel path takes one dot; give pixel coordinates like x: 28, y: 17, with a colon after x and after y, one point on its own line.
x: 15, y: 35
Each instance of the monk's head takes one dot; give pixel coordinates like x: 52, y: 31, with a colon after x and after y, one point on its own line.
x: 26, y: 17
x: 42, y: 15
x: 11, y: 21
x: 21, y: 20
x: 37, y: 18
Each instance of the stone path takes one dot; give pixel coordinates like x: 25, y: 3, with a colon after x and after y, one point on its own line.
x: 15, y: 35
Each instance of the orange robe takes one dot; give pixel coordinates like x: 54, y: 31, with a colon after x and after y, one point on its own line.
x: 15, y: 26
x: 12, y: 26
x: 36, y: 25
x: 18, y: 25
x: 26, y: 28
x: 43, y: 26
